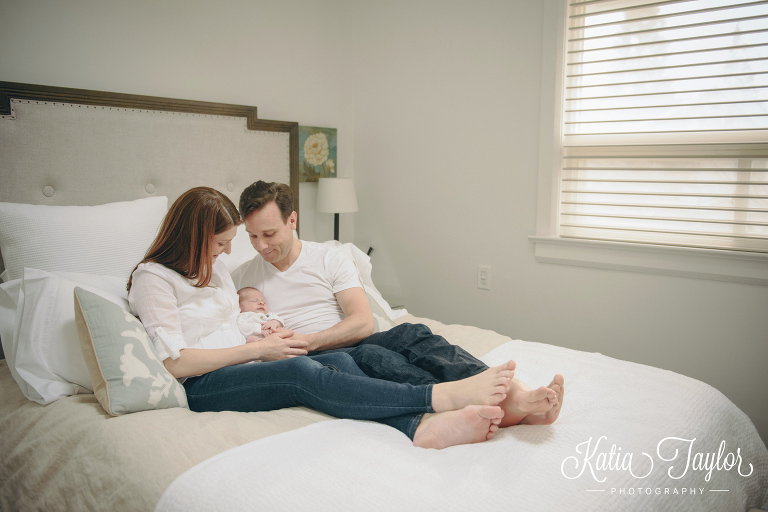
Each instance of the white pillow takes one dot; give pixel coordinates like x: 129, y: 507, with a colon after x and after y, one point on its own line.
x: 109, y: 239
x: 46, y: 356
x: 242, y: 250
x: 8, y: 299
x: 364, y: 269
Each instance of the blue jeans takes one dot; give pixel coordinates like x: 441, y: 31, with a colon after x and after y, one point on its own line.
x: 330, y: 383
x: 411, y: 353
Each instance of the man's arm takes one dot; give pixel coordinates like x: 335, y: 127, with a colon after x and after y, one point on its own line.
x: 356, y: 326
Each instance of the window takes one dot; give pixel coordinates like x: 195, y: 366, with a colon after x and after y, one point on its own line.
x: 662, y: 129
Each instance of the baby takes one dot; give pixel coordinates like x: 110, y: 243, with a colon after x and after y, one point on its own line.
x: 254, y: 318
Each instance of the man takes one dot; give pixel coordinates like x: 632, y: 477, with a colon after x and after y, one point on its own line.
x: 316, y: 290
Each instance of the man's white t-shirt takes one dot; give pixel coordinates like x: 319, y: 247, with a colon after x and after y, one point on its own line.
x: 303, y: 295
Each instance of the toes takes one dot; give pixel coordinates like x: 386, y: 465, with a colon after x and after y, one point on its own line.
x: 558, y: 393
x: 490, y: 412
x: 492, y: 430
x: 540, y: 394
x: 559, y: 380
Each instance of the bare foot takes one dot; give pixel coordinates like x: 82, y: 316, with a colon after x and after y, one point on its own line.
x: 472, y: 424
x: 487, y: 388
x: 549, y: 417
x: 522, y: 401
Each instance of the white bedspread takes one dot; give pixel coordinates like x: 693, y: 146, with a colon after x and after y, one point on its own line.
x: 353, y: 465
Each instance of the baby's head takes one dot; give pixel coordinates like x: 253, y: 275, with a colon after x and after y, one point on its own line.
x: 253, y: 300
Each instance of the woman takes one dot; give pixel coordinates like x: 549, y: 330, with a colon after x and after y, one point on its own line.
x: 188, y: 303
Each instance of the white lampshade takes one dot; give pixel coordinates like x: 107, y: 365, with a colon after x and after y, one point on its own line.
x: 336, y: 195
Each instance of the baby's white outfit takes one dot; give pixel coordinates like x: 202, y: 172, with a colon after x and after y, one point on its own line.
x: 250, y: 322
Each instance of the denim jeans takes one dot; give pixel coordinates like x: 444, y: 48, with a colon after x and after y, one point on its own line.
x: 330, y: 383
x: 412, y: 354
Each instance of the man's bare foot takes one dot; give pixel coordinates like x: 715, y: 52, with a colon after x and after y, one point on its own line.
x: 549, y: 417
x: 487, y: 388
x: 472, y: 424
x: 522, y: 401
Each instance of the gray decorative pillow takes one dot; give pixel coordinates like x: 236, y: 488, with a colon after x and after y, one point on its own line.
x: 126, y: 374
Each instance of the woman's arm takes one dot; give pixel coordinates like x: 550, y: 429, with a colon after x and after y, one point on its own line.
x: 196, y: 361
x: 153, y: 299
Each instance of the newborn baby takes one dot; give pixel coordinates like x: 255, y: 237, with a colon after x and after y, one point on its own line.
x: 254, y: 318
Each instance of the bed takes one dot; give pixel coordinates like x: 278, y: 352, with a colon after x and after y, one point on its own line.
x: 630, y: 437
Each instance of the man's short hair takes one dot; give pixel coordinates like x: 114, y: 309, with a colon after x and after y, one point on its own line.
x: 257, y: 195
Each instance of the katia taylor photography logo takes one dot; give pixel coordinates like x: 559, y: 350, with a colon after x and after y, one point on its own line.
x: 597, y: 459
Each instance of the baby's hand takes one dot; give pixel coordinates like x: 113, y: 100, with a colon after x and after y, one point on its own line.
x: 270, y: 327
x: 253, y: 339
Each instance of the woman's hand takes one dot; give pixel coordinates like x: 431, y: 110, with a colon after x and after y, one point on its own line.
x: 280, y: 345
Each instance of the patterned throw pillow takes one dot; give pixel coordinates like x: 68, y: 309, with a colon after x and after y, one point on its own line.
x: 126, y: 374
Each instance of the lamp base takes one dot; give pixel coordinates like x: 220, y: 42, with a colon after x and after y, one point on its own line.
x: 336, y: 226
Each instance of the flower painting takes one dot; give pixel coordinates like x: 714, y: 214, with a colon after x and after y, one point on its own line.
x: 317, y: 153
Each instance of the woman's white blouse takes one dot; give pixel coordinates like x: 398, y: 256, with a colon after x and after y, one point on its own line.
x: 178, y: 315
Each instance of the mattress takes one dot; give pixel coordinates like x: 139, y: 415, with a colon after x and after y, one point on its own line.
x: 71, y: 455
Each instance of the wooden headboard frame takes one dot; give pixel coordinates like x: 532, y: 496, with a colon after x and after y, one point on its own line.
x: 11, y: 90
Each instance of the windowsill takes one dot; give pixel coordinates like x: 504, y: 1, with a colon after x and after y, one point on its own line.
x: 749, y: 268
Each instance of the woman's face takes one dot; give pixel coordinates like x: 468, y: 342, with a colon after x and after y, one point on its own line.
x: 222, y: 242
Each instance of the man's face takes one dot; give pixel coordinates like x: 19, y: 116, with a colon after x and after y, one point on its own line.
x: 270, y: 235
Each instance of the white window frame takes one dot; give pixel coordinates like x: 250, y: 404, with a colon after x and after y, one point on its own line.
x: 720, y: 265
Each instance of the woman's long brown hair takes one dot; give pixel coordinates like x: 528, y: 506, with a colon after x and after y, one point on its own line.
x: 185, y: 240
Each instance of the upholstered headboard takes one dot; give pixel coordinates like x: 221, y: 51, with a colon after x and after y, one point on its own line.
x: 62, y: 146
x: 77, y: 147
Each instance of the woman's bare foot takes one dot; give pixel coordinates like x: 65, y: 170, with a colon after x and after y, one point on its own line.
x: 487, y: 388
x: 523, y: 401
x: 472, y: 424
x: 549, y: 417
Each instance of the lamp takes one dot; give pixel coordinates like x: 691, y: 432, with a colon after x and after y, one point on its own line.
x: 336, y: 195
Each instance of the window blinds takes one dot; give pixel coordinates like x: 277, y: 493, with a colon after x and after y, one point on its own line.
x: 665, y: 123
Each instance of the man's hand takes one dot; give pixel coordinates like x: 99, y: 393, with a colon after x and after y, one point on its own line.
x: 280, y: 345
x: 301, y: 338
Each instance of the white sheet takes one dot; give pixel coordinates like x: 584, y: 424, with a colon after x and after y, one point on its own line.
x: 350, y: 465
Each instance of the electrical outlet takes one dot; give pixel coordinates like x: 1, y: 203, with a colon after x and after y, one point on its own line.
x: 484, y: 277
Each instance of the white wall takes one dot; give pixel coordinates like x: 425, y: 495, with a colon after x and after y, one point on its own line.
x: 447, y: 97
x: 441, y: 99
x: 289, y: 58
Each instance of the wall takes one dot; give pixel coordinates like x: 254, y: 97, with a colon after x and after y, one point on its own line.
x: 289, y: 58
x: 441, y: 98
x: 447, y: 97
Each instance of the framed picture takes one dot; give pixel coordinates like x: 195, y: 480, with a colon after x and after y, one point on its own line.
x: 317, y: 153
